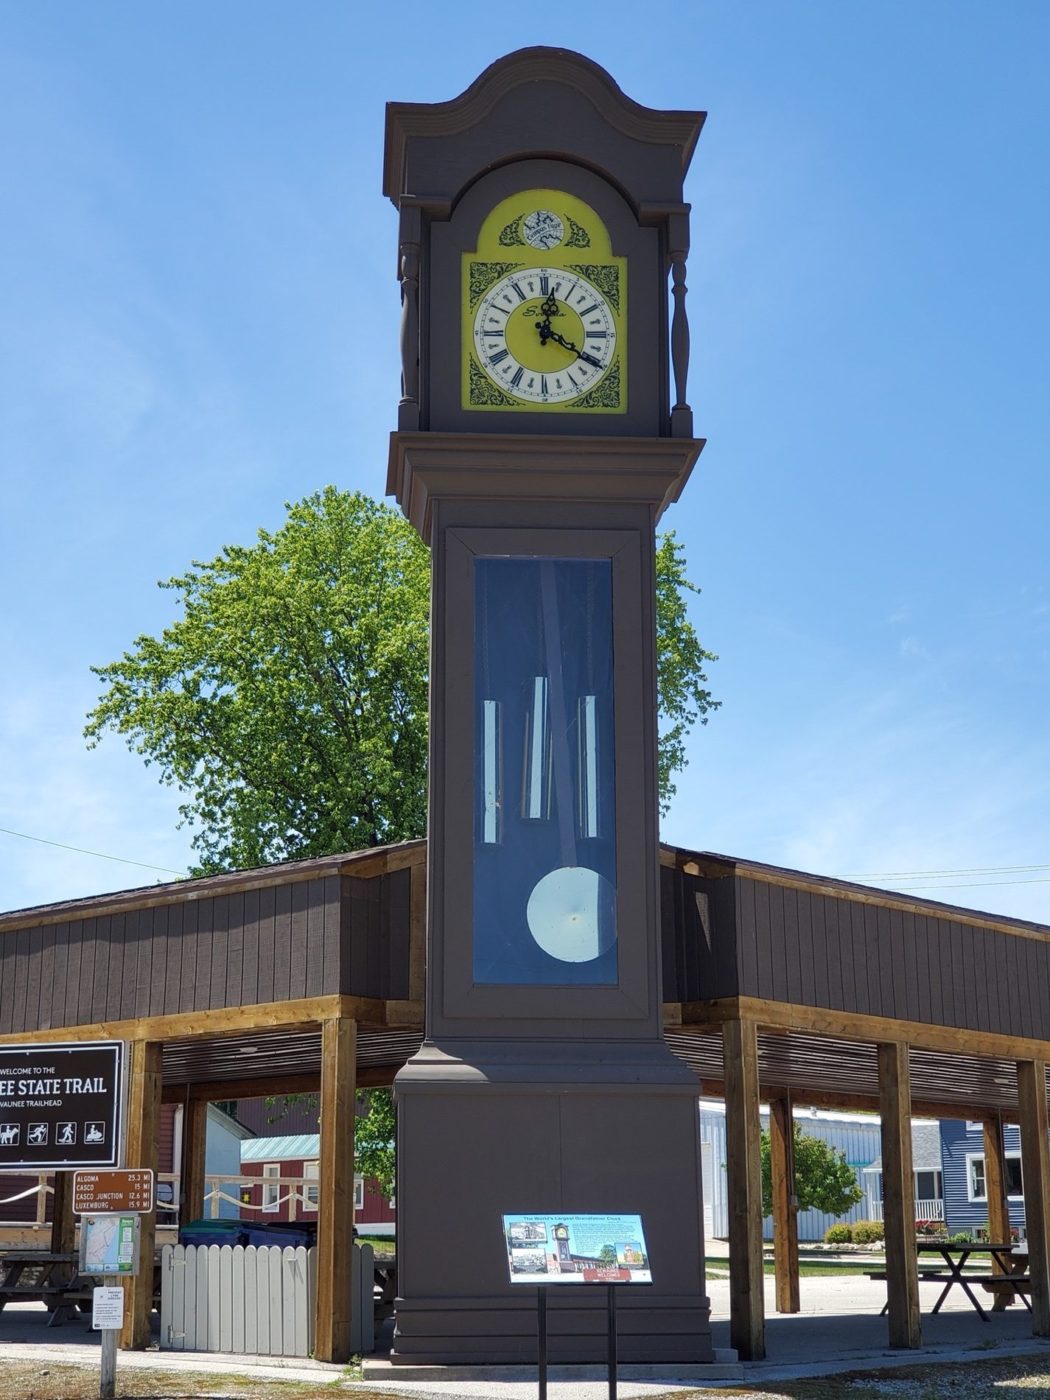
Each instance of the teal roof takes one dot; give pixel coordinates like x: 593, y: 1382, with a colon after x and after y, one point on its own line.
x: 281, y: 1149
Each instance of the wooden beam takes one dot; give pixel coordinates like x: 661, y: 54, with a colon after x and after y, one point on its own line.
x: 335, y: 1211
x: 143, y: 1131
x: 785, y: 1204
x: 716, y: 868
x: 861, y: 1103
x: 747, y: 1320
x: 306, y: 1012
x: 364, y: 864
x: 853, y: 1025
x: 191, y: 1168
x: 63, y: 1225
x: 898, y: 1196
x: 1035, y: 1171
x: 214, y: 1091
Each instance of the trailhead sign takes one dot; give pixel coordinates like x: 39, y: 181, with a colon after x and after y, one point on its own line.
x: 576, y: 1249
x: 61, y: 1105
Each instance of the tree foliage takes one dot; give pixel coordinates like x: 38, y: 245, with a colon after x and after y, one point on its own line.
x: 374, y: 1153
x: 824, y: 1180
x: 374, y: 1130
x: 288, y: 701
x: 681, y: 682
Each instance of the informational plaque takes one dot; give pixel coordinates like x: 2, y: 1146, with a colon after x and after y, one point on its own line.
x: 107, y: 1309
x: 576, y: 1249
x: 61, y: 1105
x: 109, y: 1244
x: 102, y: 1192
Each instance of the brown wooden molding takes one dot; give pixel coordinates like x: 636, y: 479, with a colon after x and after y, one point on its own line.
x: 364, y: 864
x: 853, y: 1025
x: 718, y: 867
x: 229, y: 1020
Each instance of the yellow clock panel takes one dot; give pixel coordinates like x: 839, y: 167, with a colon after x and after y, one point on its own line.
x: 544, y: 322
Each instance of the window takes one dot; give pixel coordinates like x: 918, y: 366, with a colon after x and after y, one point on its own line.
x: 359, y: 1193
x: 311, y: 1190
x: 1014, y: 1182
x: 927, y: 1186
x: 271, y: 1191
x: 976, y: 1181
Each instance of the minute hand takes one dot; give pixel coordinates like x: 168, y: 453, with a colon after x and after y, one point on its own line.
x: 568, y: 345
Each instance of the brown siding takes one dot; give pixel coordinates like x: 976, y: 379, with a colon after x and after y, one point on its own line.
x: 238, y: 948
x: 374, y: 934
x: 813, y: 949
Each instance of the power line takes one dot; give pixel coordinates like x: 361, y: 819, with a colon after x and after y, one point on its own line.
x: 965, y: 870
x: 100, y: 855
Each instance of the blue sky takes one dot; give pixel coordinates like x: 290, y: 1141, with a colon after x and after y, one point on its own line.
x: 200, y: 323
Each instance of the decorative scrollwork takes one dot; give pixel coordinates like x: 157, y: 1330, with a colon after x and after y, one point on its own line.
x: 485, y: 394
x: 510, y: 237
x: 605, y: 277
x: 603, y: 395
x: 483, y: 274
x: 578, y: 235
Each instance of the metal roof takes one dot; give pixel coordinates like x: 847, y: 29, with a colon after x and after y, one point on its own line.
x: 281, y: 1149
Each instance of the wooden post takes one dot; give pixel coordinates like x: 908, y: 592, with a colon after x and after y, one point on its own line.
x: 63, y: 1226
x: 191, y: 1168
x: 995, y: 1190
x: 1035, y: 1171
x: 898, y: 1196
x: 785, y: 1203
x: 335, y: 1207
x: 747, y: 1314
x: 143, y: 1131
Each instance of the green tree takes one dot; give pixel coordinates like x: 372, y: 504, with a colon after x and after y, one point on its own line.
x: 824, y: 1180
x: 374, y: 1130
x: 288, y: 701
x: 374, y: 1153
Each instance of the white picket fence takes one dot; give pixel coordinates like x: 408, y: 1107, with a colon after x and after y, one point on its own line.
x: 253, y: 1301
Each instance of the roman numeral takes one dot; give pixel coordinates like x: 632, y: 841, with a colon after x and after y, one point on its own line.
x: 517, y: 377
x: 498, y: 356
x: 520, y: 294
x: 588, y: 309
x: 545, y: 284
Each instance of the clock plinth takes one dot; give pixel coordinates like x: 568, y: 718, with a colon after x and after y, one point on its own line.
x: 537, y: 448
x: 548, y: 1128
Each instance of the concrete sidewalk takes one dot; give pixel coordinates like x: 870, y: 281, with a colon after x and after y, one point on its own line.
x: 839, y: 1329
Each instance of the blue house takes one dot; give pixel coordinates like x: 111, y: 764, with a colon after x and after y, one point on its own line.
x: 965, y: 1196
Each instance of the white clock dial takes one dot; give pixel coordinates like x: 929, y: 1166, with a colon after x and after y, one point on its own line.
x: 544, y: 335
x: 542, y: 229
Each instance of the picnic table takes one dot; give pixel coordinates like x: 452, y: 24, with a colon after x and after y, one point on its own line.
x: 1011, y: 1280
x: 54, y: 1279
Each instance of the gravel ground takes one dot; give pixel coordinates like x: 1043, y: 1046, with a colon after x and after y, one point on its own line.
x: 1018, y: 1378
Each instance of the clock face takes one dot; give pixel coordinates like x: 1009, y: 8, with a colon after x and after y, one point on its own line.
x: 544, y: 308
x: 544, y: 335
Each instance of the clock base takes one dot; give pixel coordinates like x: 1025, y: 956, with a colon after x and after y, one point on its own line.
x: 488, y: 1130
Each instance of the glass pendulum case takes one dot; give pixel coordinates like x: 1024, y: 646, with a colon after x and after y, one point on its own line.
x: 544, y: 839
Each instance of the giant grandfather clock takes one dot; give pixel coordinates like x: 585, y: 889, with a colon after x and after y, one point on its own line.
x: 542, y: 242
